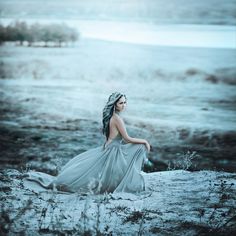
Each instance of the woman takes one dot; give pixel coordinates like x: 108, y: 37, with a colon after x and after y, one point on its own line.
x: 113, y: 167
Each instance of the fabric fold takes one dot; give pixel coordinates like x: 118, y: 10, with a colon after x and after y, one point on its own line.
x: 115, y: 168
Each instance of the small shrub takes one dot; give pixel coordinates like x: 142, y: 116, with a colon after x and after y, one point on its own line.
x: 183, y: 161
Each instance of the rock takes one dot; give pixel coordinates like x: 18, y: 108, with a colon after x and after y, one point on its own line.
x: 191, y: 203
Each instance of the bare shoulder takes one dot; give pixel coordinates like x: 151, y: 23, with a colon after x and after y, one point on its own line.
x: 116, y: 118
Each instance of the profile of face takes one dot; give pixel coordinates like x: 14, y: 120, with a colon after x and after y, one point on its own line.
x: 120, y: 104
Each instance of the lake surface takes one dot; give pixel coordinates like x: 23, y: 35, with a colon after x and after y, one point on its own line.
x: 208, y: 36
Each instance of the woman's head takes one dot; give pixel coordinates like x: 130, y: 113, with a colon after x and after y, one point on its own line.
x: 116, y: 103
x: 120, y: 104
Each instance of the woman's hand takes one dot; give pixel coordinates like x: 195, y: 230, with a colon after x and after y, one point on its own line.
x: 148, y: 146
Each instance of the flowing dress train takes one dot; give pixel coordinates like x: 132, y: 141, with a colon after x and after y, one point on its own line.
x: 114, y: 168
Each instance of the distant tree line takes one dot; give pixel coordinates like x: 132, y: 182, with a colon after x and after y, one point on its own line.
x: 51, y: 34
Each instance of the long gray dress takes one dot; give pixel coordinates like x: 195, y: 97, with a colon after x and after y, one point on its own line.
x: 115, y: 168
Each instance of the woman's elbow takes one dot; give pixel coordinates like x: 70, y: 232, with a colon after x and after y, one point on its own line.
x: 128, y: 139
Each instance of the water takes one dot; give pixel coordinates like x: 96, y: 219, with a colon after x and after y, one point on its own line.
x: 210, y: 36
x: 207, y: 36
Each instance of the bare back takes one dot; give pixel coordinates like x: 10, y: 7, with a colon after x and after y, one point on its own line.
x: 113, y: 129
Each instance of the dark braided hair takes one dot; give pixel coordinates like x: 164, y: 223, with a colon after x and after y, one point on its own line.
x: 108, y: 111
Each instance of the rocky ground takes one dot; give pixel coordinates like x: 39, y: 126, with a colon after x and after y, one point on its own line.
x: 175, y: 203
